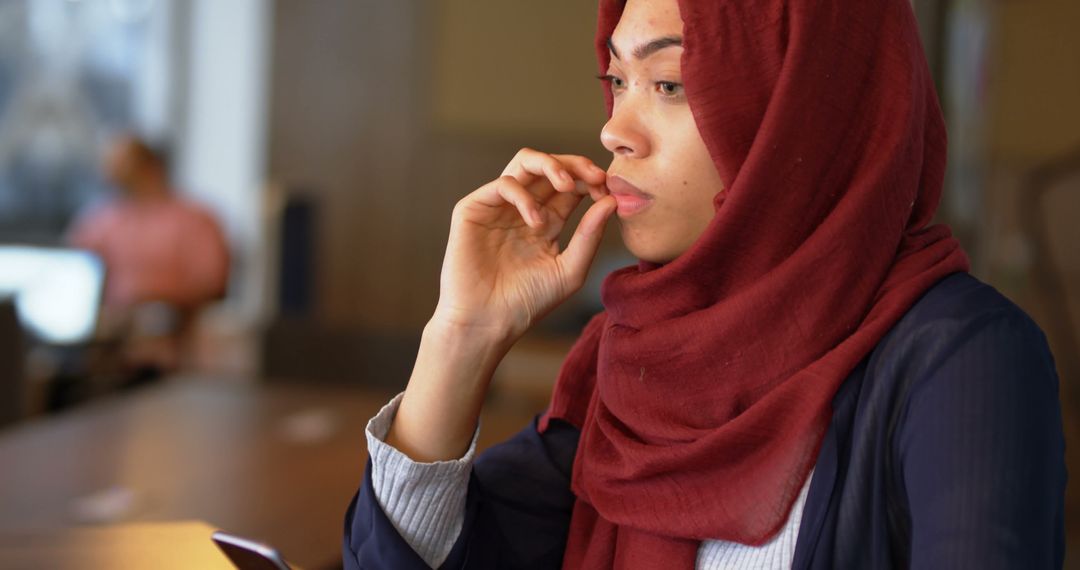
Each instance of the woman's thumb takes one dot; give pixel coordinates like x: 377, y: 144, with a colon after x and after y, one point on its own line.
x: 580, y: 252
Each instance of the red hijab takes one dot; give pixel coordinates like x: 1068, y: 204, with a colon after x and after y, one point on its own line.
x: 704, y: 391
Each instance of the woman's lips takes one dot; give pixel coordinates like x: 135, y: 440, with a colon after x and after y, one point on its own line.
x: 629, y: 198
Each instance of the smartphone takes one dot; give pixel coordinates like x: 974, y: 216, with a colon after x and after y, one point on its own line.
x: 249, y: 555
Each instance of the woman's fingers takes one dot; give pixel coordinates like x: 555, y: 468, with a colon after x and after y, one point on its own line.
x: 562, y: 205
x: 556, y: 212
x: 579, y: 253
x: 507, y: 189
x: 561, y: 170
x: 583, y: 169
x: 569, y: 177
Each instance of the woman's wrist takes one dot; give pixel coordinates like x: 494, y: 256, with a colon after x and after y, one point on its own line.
x: 441, y: 406
x: 468, y: 341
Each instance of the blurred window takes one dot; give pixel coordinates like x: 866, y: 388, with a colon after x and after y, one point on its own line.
x: 71, y: 73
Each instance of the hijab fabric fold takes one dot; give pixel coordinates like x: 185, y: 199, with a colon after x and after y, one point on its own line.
x: 704, y: 390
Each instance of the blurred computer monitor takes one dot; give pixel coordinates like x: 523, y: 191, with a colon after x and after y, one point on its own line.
x: 57, y: 291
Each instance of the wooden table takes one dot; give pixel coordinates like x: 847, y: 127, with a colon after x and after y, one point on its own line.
x: 246, y: 458
x: 162, y: 546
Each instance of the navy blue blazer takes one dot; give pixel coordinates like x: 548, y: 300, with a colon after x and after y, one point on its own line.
x: 945, y: 450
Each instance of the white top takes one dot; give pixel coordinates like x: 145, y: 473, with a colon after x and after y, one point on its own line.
x: 426, y: 503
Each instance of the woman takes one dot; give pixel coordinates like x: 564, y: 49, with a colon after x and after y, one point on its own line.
x: 798, y: 373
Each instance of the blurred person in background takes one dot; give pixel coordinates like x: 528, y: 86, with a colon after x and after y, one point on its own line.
x: 165, y: 258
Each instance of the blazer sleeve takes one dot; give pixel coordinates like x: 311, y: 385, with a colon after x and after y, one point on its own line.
x: 981, y: 448
x: 517, y: 510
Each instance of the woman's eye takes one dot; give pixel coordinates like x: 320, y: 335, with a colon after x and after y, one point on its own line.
x: 617, y: 83
x: 669, y: 88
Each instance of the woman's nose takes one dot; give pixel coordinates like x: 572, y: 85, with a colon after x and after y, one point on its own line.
x: 624, y: 134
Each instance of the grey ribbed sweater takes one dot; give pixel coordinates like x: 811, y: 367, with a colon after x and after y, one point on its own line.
x: 426, y: 503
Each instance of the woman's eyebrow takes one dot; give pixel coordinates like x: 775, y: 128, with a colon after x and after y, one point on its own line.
x: 646, y: 49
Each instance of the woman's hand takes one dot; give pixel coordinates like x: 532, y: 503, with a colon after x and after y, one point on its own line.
x: 503, y: 269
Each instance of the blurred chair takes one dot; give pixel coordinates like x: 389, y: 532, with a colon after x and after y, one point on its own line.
x: 296, y: 276
x: 12, y: 364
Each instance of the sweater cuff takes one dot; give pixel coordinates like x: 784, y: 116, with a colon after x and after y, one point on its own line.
x: 424, y: 501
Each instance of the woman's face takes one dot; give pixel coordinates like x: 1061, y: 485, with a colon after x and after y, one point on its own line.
x: 662, y: 175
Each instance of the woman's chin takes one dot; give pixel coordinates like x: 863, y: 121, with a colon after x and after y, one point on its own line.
x: 646, y: 247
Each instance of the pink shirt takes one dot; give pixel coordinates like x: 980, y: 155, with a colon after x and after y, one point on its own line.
x: 165, y: 249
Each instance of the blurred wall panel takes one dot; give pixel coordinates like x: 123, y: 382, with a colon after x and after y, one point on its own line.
x: 1033, y: 120
x: 1036, y: 80
x: 524, y: 67
x: 344, y: 124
